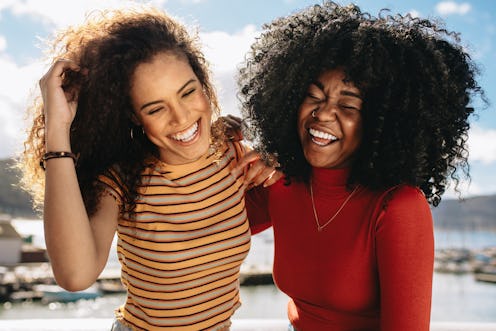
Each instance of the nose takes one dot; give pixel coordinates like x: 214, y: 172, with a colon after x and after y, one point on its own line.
x: 179, y: 115
x: 327, y: 112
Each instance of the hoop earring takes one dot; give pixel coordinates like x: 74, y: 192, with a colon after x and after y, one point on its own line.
x: 131, y: 131
x: 314, y: 114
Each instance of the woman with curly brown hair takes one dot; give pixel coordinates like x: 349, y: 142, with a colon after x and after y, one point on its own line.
x: 368, y: 117
x: 123, y: 131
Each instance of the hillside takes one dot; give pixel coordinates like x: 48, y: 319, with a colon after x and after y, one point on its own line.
x: 13, y: 200
x: 478, y: 213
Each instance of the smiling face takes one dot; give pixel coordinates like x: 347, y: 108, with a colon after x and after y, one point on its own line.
x: 170, y: 104
x: 333, y: 134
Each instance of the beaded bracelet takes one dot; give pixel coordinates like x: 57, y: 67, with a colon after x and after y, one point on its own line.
x: 54, y: 155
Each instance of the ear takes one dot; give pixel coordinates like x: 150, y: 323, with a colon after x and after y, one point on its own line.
x: 135, y: 119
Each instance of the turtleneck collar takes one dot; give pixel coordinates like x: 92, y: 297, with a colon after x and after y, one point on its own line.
x: 330, y: 181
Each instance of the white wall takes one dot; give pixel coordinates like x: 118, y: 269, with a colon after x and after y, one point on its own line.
x: 10, y: 251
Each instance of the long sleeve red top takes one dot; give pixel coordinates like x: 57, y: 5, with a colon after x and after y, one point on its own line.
x: 369, y: 269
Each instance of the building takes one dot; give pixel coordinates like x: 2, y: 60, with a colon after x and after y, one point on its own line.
x: 10, y: 243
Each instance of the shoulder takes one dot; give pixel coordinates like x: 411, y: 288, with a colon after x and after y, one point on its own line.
x: 405, y: 224
x: 111, y: 176
x: 404, y: 196
x: 404, y: 202
x: 112, y: 183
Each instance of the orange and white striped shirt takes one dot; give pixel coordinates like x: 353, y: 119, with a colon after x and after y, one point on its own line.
x: 182, y: 254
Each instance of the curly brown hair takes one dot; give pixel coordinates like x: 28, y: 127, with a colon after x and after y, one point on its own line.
x: 109, y: 47
x: 416, y: 80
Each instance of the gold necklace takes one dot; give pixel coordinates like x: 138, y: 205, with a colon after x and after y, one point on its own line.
x: 320, y: 227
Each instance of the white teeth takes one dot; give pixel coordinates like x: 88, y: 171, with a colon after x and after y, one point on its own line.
x: 322, y: 135
x: 186, y: 135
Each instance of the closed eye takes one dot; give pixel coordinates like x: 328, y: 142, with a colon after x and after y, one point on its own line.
x: 189, y: 92
x: 154, y: 110
x: 314, y: 98
x: 349, y: 107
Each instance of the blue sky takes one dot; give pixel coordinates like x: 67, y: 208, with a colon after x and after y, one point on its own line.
x: 227, y: 28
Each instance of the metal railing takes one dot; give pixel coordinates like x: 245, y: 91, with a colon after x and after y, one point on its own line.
x: 104, y: 324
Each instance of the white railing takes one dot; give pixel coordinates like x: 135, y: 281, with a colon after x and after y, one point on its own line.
x: 104, y: 324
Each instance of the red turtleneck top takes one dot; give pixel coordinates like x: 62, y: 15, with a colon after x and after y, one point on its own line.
x: 369, y: 269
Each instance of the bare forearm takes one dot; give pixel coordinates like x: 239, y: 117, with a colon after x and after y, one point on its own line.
x: 68, y: 235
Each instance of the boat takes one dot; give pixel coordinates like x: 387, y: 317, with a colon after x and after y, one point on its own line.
x: 485, y: 277
x: 54, y: 293
x: 486, y: 273
x: 111, y: 286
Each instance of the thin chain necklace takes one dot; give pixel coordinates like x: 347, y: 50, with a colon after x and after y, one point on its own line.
x: 321, y: 227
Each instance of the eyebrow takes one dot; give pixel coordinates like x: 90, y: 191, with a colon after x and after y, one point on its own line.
x: 343, y: 92
x: 351, y: 94
x: 159, y: 101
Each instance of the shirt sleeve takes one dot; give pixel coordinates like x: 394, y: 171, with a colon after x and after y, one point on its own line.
x: 256, y: 199
x: 257, y: 207
x: 112, y: 185
x: 405, y: 256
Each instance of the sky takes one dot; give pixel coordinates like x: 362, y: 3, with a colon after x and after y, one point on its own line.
x: 227, y: 28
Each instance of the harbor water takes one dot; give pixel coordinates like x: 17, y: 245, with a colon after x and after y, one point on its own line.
x: 456, y: 297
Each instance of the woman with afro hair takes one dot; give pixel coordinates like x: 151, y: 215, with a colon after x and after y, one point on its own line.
x: 368, y: 118
x: 124, y: 136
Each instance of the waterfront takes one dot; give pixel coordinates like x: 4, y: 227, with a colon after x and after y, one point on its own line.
x: 456, y: 298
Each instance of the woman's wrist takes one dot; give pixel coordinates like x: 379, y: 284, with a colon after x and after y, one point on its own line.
x: 57, y: 139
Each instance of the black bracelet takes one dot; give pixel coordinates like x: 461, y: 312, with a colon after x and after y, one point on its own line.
x: 54, y: 155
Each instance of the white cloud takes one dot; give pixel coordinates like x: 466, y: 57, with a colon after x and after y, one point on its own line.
x: 17, y: 84
x: 468, y: 189
x: 482, y: 145
x: 61, y: 13
x: 193, y: 1
x: 11, y: 127
x: 446, y: 8
x: 7, y: 3
x: 225, y: 53
x: 482, y: 159
x: 414, y: 13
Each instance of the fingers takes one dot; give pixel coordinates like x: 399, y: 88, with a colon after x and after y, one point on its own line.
x: 248, y: 158
x: 57, y: 70
x: 53, y: 79
x: 62, y: 65
x: 233, y: 121
x: 59, y: 103
x: 273, y: 178
x: 256, y: 174
x: 233, y: 127
x: 255, y: 171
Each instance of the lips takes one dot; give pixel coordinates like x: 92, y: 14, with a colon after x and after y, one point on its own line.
x: 321, y: 138
x: 186, y: 135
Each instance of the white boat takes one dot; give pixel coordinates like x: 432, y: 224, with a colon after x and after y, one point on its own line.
x: 55, y: 293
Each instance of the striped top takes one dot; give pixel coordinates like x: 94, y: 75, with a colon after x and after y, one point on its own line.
x: 181, y: 257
